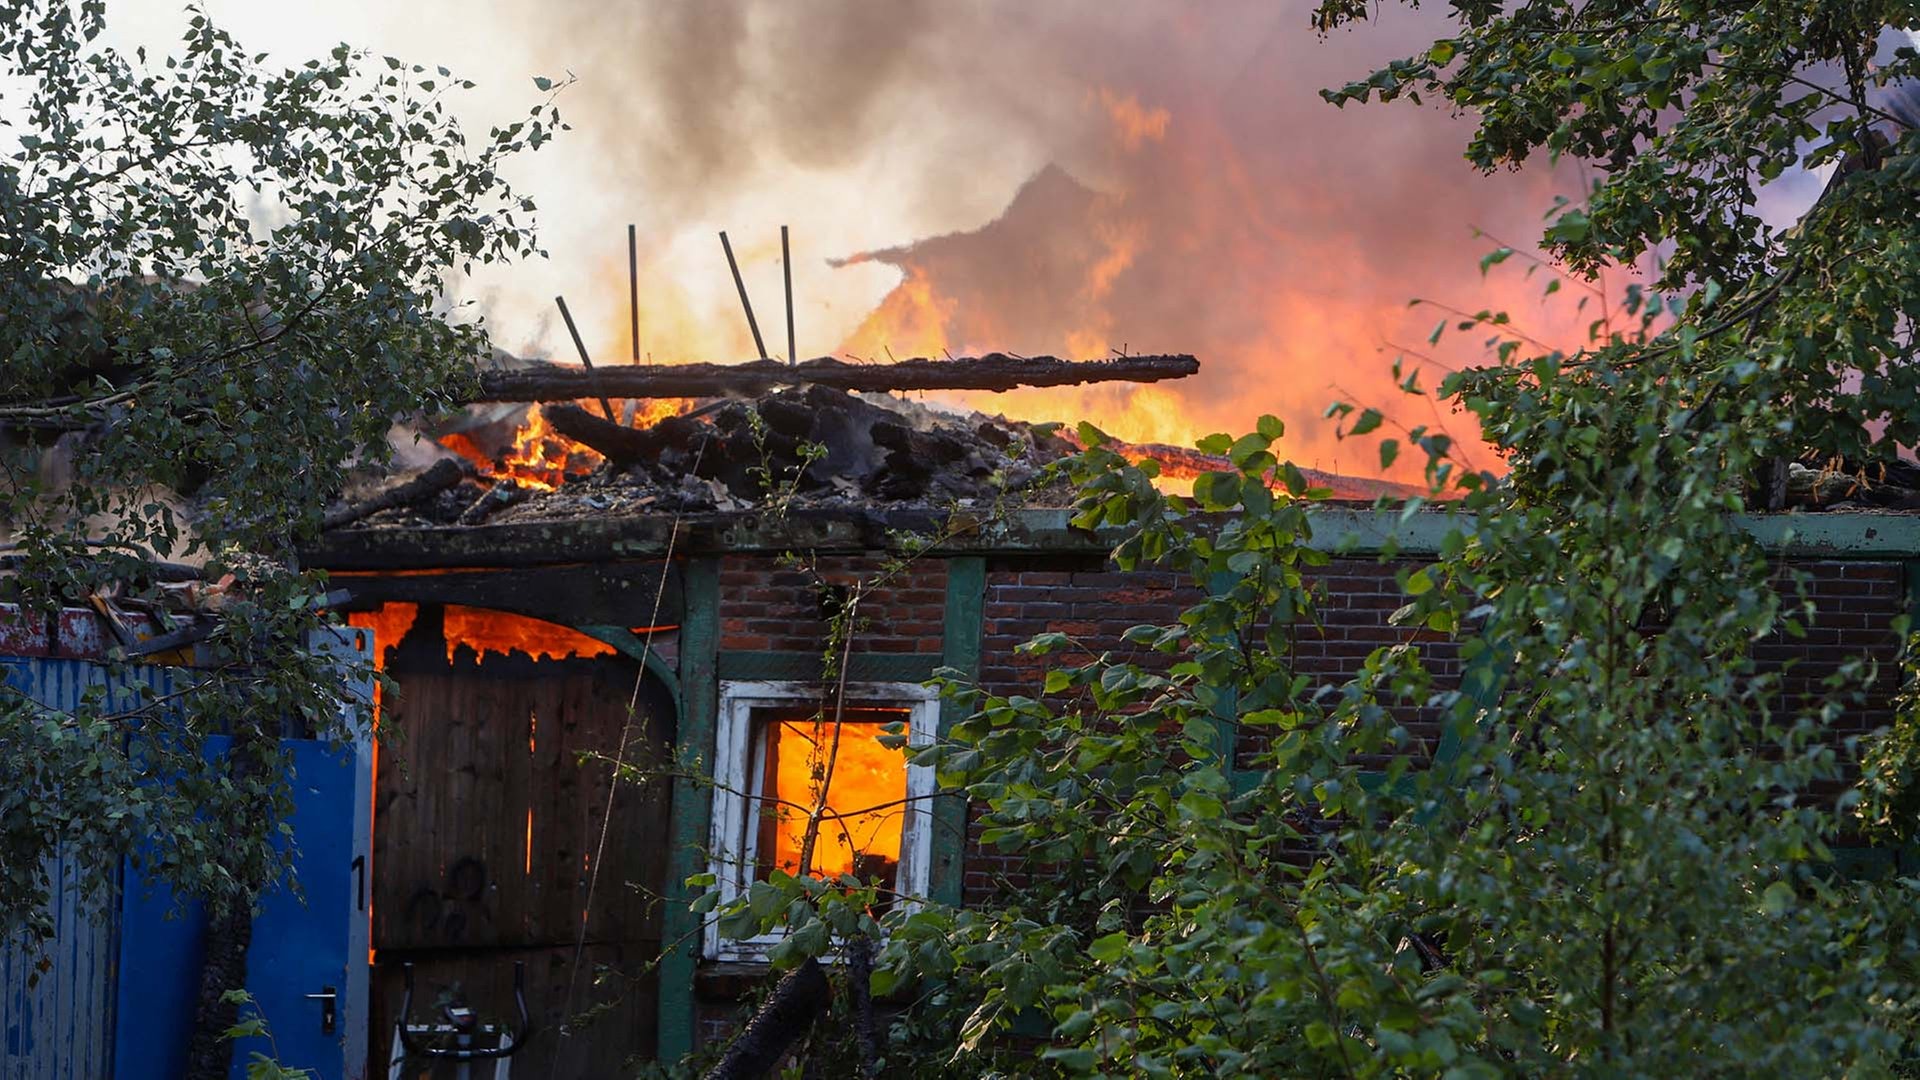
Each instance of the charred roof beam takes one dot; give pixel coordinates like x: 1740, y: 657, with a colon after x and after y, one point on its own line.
x: 995, y: 371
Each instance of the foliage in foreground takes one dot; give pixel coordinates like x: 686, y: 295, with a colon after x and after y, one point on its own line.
x: 219, y: 284
x: 1606, y: 846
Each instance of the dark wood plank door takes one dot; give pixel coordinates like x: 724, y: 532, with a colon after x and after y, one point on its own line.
x: 490, y: 799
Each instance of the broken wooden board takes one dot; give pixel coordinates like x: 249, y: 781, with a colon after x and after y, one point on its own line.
x: 995, y: 371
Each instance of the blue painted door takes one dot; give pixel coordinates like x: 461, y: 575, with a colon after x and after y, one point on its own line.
x: 302, y: 943
x: 113, y: 997
x: 306, y: 944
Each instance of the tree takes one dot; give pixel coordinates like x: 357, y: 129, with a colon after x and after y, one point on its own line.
x: 219, y: 284
x: 1624, y: 864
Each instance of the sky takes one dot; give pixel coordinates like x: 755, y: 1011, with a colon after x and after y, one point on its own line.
x: 1076, y: 178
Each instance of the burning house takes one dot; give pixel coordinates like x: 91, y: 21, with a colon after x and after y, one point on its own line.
x: 651, y: 585
x: 604, y: 626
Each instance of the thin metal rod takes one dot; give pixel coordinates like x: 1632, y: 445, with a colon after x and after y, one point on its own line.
x: 744, y: 302
x: 786, y: 270
x: 605, y: 405
x: 633, y: 288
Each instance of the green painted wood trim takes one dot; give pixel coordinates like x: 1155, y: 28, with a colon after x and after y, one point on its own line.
x: 1345, y: 529
x: 1912, y: 568
x: 960, y: 650
x: 806, y: 666
x: 689, y: 819
x: 1835, y: 536
x: 1226, y: 707
x: 635, y: 647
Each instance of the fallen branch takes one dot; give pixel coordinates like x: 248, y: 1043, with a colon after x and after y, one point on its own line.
x: 800, y: 996
x: 442, y: 475
x: 995, y: 371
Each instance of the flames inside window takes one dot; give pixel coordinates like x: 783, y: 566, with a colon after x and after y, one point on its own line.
x: 865, y: 793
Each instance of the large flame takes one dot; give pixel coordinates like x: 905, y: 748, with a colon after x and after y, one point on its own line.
x: 867, y: 776
x: 1186, y: 189
x: 541, y: 458
x: 538, y: 457
x: 484, y: 630
x: 1183, y: 252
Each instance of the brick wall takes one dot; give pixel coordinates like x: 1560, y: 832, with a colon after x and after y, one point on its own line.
x: 1855, y: 601
x: 765, y: 605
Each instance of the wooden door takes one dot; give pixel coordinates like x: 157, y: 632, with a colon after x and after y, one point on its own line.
x: 487, y: 823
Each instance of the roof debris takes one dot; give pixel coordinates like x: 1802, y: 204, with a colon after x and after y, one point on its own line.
x: 808, y: 446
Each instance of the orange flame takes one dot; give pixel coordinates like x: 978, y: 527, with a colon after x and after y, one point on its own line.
x: 389, y: 623
x: 484, y: 631
x: 865, y: 774
x: 650, y: 411
x: 1176, y: 238
x: 1134, y: 125
x: 542, y: 458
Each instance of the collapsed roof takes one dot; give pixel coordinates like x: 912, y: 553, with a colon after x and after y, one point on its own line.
x: 821, y: 435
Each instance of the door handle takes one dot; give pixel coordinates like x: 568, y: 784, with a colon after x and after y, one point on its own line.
x: 327, y: 997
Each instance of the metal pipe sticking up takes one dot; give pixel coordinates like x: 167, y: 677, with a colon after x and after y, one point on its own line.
x: 581, y: 346
x: 745, y: 303
x: 786, y: 271
x: 633, y: 289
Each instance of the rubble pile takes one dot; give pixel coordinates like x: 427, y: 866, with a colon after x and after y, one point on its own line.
x: 810, y: 446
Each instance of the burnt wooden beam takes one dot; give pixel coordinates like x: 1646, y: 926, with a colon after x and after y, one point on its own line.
x: 609, y: 593
x: 505, y: 492
x: 440, y: 476
x: 548, y: 543
x: 995, y: 371
x: 617, y: 443
x: 801, y: 996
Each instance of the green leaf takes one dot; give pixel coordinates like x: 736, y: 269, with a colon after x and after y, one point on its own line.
x: 1200, y: 806
x: 1108, y: 948
x: 1072, y: 1059
x: 1217, y: 490
x: 1569, y: 228
x: 1244, y: 449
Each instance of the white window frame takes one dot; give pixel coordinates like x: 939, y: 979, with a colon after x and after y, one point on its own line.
x: 731, y: 856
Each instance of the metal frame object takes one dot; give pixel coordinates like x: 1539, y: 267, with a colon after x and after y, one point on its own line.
x: 464, y: 1029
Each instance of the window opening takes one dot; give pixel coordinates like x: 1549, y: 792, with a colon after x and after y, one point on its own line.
x: 774, y: 740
